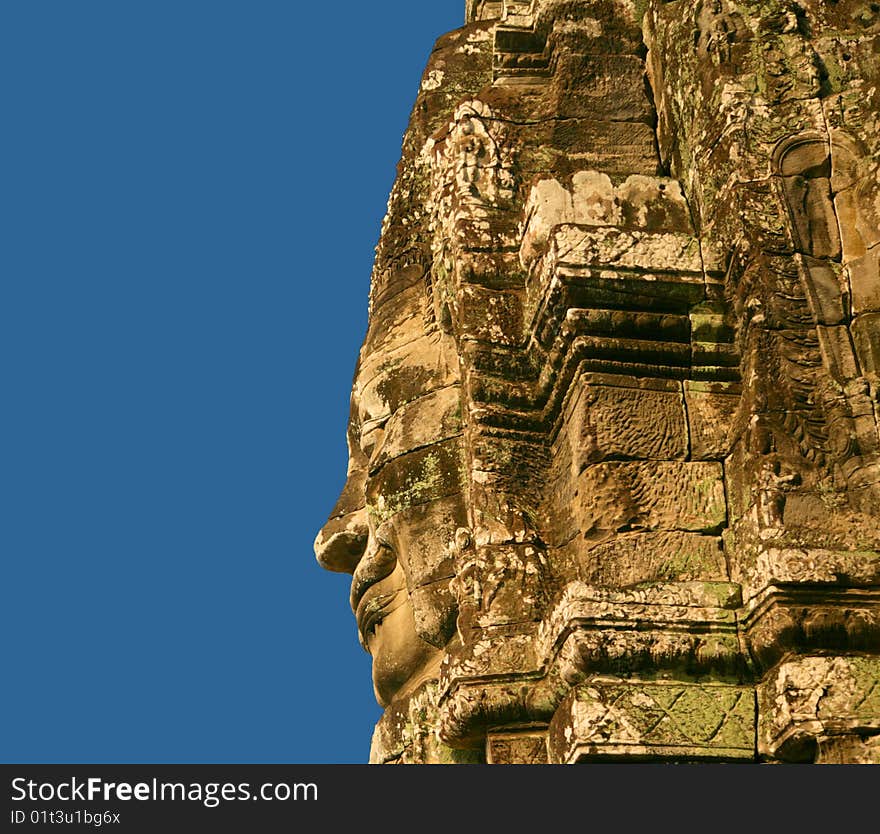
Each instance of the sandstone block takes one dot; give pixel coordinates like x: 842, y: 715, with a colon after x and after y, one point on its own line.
x: 626, y: 418
x: 649, y: 495
x: 654, y: 722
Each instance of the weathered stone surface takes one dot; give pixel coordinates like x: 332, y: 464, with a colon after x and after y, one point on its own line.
x: 525, y: 747
x: 864, y: 286
x: 635, y: 558
x: 866, y: 336
x: 621, y: 417
x: 404, y: 734
x: 614, y: 443
x: 711, y: 411
x: 429, y: 419
x: 620, y: 250
x: 646, y: 721
x: 805, y: 703
x: 648, y: 495
x: 688, y: 627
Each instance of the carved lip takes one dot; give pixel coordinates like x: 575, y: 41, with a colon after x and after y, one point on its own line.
x: 368, y: 600
x: 373, y: 606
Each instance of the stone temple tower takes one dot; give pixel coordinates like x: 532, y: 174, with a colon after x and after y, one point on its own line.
x: 614, y: 481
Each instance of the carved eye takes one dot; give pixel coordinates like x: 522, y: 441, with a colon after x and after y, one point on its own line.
x: 372, y: 431
x: 371, y: 441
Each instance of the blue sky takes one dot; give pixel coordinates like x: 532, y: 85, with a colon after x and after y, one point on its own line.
x: 191, y: 194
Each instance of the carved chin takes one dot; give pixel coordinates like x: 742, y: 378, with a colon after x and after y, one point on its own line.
x: 401, y: 660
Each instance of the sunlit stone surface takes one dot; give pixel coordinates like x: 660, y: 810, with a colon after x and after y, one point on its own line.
x: 614, y: 487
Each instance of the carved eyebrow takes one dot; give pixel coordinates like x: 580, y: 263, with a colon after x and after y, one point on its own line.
x: 374, y: 423
x: 367, y: 420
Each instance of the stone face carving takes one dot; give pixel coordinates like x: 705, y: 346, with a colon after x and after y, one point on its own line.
x: 614, y: 479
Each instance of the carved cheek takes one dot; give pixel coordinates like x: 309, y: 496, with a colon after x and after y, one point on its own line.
x: 425, y: 536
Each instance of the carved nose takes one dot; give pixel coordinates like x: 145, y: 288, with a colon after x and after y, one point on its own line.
x: 342, y: 542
